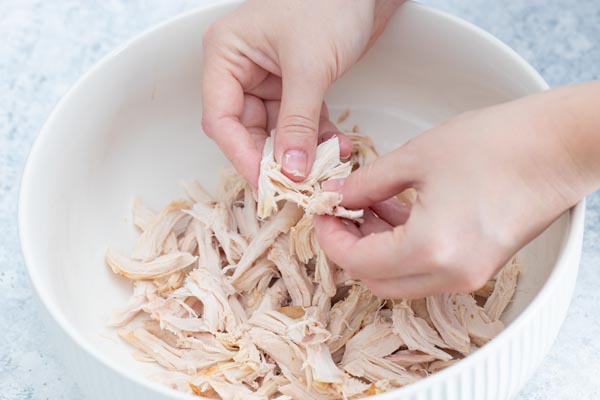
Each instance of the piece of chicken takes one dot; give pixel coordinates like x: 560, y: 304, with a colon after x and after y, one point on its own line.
x: 270, y: 385
x: 151, y: 242
x: 347, y: 316
x: 187, y: 241
x: 219, y: 220
x: 288, y: 355
x: 143, y: 292
x: 274, y: 186
x: 245, y: 215
x: 292, y: 273
x: 209, y: 256
x: 504, y: 289
x: 375, y: 340
x: 480, y: 326
x: 416, y: 332
x: 289, y: 215
x: 322, y: 303
x: 377, y: 369
x: 303, y: 243
x: 174, y: 359
x: 275, y: 297
x: 406, y: 358
x: 257, y: 277
x: 217, y: 296
x: 447, y: 319
x: 197, y: 193
x: 325, y: 273
x: 231, y: 187
x: 363, y: 149
x: 161, y: 266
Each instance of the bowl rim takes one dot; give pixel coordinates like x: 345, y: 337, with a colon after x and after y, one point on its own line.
x: 571, y: 242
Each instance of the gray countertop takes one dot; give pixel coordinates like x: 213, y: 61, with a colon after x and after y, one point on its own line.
x: 45, y: 46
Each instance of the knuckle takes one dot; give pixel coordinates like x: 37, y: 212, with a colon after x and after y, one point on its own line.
x: 297, y: 125
x: 208, y: 126
x: 364, y: 178
x: 470, y: 278
x: 353, y: 271
x: 441, y: 254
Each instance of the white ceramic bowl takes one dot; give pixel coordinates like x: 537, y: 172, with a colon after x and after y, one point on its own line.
x: 132, y: 126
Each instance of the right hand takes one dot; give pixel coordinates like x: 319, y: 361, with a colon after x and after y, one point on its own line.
x: 487, y: 183
x: 269, y: 64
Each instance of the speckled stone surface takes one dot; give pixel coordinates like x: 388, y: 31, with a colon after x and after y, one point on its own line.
x: 45, y: 46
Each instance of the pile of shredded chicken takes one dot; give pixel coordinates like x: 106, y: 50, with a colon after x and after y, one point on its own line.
x: 234, y: 298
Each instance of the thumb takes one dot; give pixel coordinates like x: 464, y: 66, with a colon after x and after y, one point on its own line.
x: 298, y: 122
x: 379, y: 180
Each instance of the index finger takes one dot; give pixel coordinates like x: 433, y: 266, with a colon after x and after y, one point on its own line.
x: 222, y: 108
x: 375, y: 256
x: 381, y: 179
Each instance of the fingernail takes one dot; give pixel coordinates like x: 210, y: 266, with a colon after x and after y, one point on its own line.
x: 333, y: 185
x: 294, y: 163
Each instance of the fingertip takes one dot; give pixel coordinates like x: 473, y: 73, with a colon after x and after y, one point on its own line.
x: 344, y: 141
x: 330, y: 229
x: 345, y: 146
x: 322, y: 223
x: 333, y: 185
x: 378, y: 180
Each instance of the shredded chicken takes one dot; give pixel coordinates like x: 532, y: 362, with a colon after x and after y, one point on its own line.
x: 233, y: 296
x: 294, y: 276
x: 416, y: 332
x: 303, y: 243
x: 152, y: 240
x: 274, y: 186
x: 506, y: 283
x: 159, y: 267
x: 445, y: 316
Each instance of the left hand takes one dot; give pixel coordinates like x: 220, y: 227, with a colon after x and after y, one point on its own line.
x: 269, y: 64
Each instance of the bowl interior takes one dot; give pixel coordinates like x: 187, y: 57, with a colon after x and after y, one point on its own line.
x: 132, y: 127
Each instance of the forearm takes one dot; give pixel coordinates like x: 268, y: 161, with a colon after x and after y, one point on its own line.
x: 565, y: 137
x: 579, y: 108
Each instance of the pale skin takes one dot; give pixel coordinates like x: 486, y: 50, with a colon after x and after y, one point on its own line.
x: 488, y: 181
x: 266, y: 66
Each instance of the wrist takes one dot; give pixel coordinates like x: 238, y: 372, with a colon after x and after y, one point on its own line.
x: 557, y: 134
x: 534, y: 139
x: 579, y: 105
x: 573, y: 122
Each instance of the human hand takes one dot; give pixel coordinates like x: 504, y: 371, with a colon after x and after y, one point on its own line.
x: 269, y: 64
x: 488, y: 182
